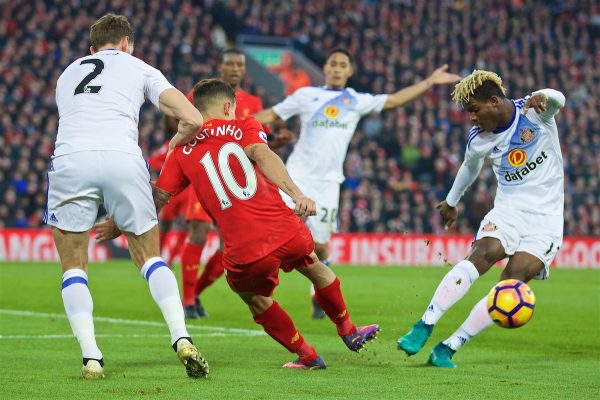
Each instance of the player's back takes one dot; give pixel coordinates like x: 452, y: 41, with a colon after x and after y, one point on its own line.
x: 99, y: 99
x: 245, y: 205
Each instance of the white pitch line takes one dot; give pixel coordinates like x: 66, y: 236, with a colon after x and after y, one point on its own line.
x: 221, y: 329
x: 101, y: 335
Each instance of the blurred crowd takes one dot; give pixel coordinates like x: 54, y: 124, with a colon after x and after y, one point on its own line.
x: 400, y: 163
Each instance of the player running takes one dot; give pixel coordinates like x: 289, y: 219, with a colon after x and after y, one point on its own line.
x: 97, y: 160
x: 329, y: 116
x: 232, y: 70
x: 526, y: 223
x: 236, y: 176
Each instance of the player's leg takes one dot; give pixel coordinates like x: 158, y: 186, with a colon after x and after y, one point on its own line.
x: 540, y: 237
x: 327, y: 195
x: 454, y: 285
x: 190, y: 264
x: 255, y: 283
x: 72, y: 249
x: 329, y: 295
x: 522, y: 266
x: 73, y: 200
x: 128, y: 201
x: 278, y: 324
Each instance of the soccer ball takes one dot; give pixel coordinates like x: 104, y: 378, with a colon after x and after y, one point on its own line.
x: 511, y: 303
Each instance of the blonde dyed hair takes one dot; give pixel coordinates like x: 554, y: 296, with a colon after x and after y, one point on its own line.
x: 468, y: 85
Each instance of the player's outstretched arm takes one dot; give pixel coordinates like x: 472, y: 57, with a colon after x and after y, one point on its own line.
x: 267, y: 116
x: 274, y: 169
x: 174, y: 104
x: 406, y: 95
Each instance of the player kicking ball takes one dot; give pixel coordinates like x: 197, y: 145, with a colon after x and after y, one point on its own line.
x: 526, y: 223
x: 236, y: 177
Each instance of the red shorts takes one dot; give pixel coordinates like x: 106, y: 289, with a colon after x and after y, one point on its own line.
x: 176, y: 206
x: 261, y: 276
x: 194, y: 210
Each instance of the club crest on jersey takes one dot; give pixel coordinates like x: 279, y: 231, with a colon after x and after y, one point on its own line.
x: 517, y: 157
x: 526, y: 135
x: 346, y: 101
x: 331, y: 111
x: 489, y: 227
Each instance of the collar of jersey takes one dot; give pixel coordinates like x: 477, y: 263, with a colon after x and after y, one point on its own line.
x: 507, y: 126
x: 334, y: 90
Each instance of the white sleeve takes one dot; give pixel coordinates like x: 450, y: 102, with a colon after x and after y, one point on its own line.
x: 154, y: 84
x: 368, y: 103
x: 290, y: 106
x: 467, y: 173
x: 555, y: 100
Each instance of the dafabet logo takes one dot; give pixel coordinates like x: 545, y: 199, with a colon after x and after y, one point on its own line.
x: 517, y: 157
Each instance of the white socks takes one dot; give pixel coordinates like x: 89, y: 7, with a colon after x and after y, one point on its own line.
x: 78, y: 307
x: 476, y: 322
x: 165, y: 293
x: 451, y: 289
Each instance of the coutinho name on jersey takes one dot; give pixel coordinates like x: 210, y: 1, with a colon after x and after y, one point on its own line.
x: 207, y: 132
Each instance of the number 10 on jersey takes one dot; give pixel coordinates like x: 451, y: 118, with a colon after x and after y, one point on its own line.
x: 242, y: 193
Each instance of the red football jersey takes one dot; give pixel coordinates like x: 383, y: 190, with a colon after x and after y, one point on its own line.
x: 251, y: 216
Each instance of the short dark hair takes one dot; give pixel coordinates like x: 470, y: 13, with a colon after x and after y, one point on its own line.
x: 209, y: 90
x: 110, y: 28
x: 339, y: 50
x: 487, y: 90
x: 233, y: 51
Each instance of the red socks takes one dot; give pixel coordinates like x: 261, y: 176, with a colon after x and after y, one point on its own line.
x: 278, y: 324
x: 190, y: 263
x: 331, y: 300
x: 212, y: 271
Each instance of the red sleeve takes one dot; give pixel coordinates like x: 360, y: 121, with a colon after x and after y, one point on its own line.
x: 157, y: 159
x: 171, y: 178
x: 253, y: 132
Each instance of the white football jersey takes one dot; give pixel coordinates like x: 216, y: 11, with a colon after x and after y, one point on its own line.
x: 329, y: 118
x: 99, y: 98
x: 526, y: 158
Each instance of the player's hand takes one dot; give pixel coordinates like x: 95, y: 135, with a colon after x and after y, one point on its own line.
x: 449, y: 214
x: 282, y: 138
x: 538, y: 102
x: 305, y: 207
x: 441, y: 77
x: 107, y: 230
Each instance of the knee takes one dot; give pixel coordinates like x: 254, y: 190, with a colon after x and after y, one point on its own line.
x: 484, y: 256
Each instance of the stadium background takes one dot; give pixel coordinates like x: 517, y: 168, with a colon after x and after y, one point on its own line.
x: 400, y: 163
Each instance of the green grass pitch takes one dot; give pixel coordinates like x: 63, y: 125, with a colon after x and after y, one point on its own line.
x: 555, y: 356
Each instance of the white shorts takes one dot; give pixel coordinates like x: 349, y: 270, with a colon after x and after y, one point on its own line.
x: 79, y: 182
x: 327, y: 196
x: 520, y: 231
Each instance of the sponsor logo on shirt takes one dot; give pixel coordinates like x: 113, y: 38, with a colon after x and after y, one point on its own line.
x: 517, y: 157
x: 331, y: 111
x: 520, y: 173
x: 328, y: 124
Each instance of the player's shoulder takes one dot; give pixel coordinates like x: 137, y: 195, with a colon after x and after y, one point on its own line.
x: 474, y: 137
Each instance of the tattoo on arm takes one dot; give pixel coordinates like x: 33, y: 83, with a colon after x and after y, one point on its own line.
x: 287, y: 186
x: 252, y: 151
